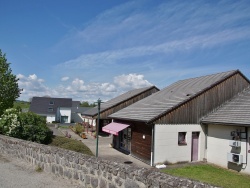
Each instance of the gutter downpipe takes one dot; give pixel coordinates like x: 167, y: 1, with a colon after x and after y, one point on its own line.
x: 152, y: 146
x: 246, y: 130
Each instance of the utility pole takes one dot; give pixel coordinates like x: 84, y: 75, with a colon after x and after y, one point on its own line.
x: 97, y: 127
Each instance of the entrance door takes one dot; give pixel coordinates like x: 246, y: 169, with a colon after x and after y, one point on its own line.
x: 64, y: 119
x: 125, y: 138
x: 195, y: 146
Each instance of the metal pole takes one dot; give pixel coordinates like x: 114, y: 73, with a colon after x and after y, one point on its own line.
x: 97, y: 127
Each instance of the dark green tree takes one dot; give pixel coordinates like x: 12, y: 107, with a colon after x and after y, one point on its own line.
x: 9, y: 90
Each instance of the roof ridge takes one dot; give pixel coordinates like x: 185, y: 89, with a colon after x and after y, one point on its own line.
x: 233, y: 71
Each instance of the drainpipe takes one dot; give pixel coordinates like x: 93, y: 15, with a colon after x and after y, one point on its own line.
x: 246, y: 130
x: 152, y: 147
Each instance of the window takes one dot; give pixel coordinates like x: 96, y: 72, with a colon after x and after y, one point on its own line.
x: 182, y: 138
x: 50, y: 109
x: 51, y: 102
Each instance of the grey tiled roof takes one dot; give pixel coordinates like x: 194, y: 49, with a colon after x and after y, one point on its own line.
x: 236, y: 111
x: 80, y: 109
x: 117, y: 100
x: 76, y: 103
x: 160, y: 103
x: 41, y: 105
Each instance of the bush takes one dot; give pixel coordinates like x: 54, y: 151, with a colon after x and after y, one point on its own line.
x: 27, y: 126
x: 79, y: 128
x: 73, y: 145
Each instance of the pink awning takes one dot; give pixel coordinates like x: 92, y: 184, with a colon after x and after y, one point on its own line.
x: 114, y: 128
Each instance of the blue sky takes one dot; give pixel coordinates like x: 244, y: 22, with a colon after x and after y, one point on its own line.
x: 87, y: 49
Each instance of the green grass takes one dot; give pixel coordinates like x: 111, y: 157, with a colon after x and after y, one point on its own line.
x: 22, y: 104
x: 64, y: 126
x: 70, y: 144
x: 212, y: 175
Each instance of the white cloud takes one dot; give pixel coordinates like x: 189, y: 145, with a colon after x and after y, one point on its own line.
x: 131, y: 81
x: 65, y: 78
x: 79, y: 90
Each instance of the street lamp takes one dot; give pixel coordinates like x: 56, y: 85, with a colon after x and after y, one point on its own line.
x: 97, y: 127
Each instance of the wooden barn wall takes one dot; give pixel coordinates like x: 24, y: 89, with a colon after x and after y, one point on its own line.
x: 140, y: 148
x: 126, y: 103
x: 193, y: 110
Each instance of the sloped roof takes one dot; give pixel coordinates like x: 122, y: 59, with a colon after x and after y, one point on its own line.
x: 235, y: 111
x: 162, y: 102
x: 115, y: 101
x: 80, y: 109
x: 41, y: 105
x: 76, y: 103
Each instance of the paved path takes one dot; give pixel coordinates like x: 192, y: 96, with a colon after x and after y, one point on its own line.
x: 15, y: 173
x: 105, y: 151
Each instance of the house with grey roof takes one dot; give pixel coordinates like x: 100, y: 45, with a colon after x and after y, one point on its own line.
x: 166, y: 127
x: 54, y: 109
x: 228, y: 142
x: 115, y: 104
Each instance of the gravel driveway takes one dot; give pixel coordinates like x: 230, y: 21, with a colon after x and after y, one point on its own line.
x: 15, y: 173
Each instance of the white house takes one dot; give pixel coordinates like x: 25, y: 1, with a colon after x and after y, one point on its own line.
x: 53, y: 109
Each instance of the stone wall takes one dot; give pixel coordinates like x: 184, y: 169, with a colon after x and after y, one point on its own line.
x: 89, y: 171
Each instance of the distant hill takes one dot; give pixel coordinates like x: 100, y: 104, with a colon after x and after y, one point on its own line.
x: 22, y: 104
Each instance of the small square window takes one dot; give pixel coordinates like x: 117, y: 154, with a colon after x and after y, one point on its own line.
x: 51, y: 103
x: 182, y: 138
x: 50, y: 109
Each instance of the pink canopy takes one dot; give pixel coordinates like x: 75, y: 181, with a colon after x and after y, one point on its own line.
x: 114, y: 128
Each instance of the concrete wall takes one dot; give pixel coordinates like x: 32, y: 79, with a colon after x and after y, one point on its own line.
x: 50, y: 118
x: 89, y: 171
x: 166, y: 147
x: 218, y: 147
x: 64, y: 112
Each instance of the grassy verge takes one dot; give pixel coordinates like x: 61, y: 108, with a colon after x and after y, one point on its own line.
x: 70, y: 144
x: 212, y: 175
x: 64, y: 126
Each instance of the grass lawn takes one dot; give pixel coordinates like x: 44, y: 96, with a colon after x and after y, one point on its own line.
x: 70, y: 144
x: 22, y: 104
x: 212, y: 174
x: 64, y: 126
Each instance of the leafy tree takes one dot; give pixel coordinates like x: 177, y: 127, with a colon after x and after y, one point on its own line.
x: 87, y: 104
x: 9, y: 90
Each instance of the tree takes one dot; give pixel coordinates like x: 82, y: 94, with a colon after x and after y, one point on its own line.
x: 87, y: 104
x: 9, y: 90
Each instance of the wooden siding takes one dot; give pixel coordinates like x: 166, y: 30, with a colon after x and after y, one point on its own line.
x: 193, y: 110
x: 106, y: 113
x: 140, y: 148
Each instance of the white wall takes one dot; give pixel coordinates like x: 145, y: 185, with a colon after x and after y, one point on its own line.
x: 89, y: 120
x: 50, y: 118
x: 62, y: 111
x: 218, y: 147
x: 166, y: 148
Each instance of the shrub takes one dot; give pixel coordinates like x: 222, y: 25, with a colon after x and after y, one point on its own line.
x: 73, y: 145
x: 27, y: 126
x: 79, y: 128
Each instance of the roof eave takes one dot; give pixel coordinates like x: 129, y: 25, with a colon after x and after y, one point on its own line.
x: 226, y: 123
x: 127, y: 119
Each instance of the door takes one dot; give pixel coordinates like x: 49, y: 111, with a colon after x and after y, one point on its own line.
x: 195, y: 146
x: 64, y: 119
x: 125, y: 139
